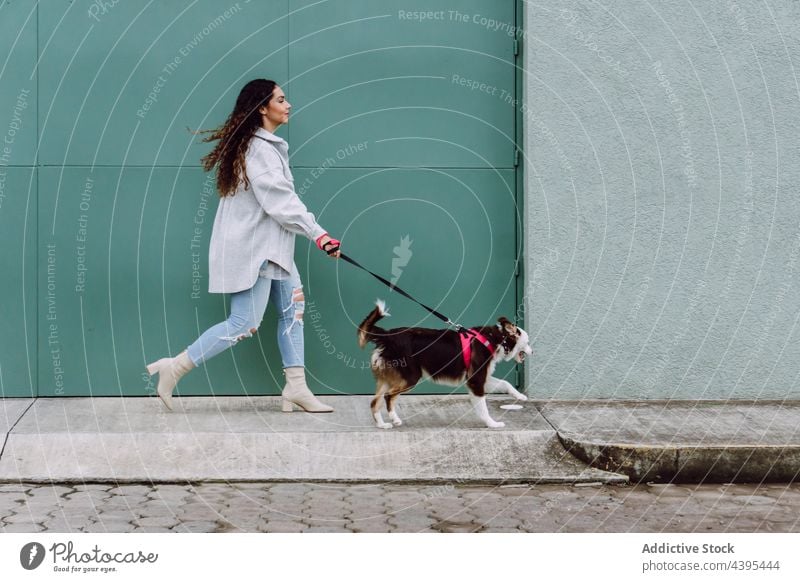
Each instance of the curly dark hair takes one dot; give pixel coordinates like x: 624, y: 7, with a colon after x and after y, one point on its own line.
x: 234, y: 136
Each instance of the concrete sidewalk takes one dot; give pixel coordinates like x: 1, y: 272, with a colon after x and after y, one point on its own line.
x: 683, y: 441
x: 248, y: 439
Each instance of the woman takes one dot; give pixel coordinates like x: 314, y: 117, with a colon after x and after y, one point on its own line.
x: 252, y: 243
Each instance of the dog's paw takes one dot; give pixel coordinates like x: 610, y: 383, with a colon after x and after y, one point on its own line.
x: 496, y: 424
x: 384, y: 425
x: 397, y: 421
x: 521, y: 397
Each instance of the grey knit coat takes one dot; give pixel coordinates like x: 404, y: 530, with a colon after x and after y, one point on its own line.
x: 258, y: 223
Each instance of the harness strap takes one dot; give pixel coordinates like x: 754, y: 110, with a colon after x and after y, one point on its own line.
x: 466, y: 336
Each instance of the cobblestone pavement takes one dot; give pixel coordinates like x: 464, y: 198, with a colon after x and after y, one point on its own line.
x: 304, y: 507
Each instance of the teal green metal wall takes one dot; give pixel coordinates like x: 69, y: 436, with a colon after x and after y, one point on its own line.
x: 663, y: 172
x: 402, y: 143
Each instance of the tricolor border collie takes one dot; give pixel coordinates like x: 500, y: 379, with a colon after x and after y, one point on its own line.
x: 405, y: 355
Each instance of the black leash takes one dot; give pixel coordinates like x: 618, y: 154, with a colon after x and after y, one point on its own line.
x: 467, y: 333
x: 394, y: 287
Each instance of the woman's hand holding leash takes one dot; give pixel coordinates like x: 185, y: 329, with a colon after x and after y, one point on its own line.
x: 329, y: 245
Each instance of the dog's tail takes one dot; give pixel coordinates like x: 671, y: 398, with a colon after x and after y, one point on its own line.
x: 367, y: 330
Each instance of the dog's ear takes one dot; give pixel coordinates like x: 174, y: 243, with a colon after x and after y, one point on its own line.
x: 507, y: 326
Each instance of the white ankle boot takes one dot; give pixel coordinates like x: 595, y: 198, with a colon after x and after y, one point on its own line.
x: 296, y: 392
x: 169, y: 371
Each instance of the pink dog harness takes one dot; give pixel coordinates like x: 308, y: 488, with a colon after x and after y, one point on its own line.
x: 466, y: 344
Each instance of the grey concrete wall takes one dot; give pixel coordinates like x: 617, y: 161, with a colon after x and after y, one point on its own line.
x: 662, y: 178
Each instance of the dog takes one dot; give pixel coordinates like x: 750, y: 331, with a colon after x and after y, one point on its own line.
x: 405, y: 355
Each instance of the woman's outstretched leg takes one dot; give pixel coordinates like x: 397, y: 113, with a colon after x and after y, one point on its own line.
x: 247, y: 311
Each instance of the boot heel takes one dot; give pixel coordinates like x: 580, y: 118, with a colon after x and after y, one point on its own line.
x: 153, y: 368
x: 287, y: 406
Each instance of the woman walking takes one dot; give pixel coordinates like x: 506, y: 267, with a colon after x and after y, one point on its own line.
x: 252, y: 243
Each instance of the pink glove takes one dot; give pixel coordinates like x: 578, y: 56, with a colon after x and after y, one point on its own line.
x: 331, y: 245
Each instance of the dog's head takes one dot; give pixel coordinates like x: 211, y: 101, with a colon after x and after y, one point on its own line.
x: 515, y: 341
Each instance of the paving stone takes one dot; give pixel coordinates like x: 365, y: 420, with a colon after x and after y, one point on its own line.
x: 365, y: 495
x: 449, y: 513
x: 338, y: 500
x: 162, y: 521
x: 11, y: 500
x: 365, y: 514
x: 26, y: 517
x: 76, y: 512
x: 86, y: 487
x: 196, y: 527
x: 437, y: 504
x: 245, y: 505
x: 317, y: 506
x: 366, y: 489
x: 448, y: 526
x: 406, y: 497
x: 240, y: 510
x: 142, y: 490
x: 489, y: 504
x: 211, y: 490
x: 523, y: 505
x: 13, y: 488
x: 114, y: 503
x: 223, y: 489
x: 224, y: 526
x: 286, y: 504
x: 83, y: 500
x: 367, y: 507
x: 111, y: 526
x: 198, y: 511
x: 211, y: 498
x: 705, y: 495
x: 61, y: 526
x: 248, y: 526
x: 252, y: 498
x: 170, y: 496
x: 786, y: 498
x: 780, y: 514
x: 277, y: 515
x: 670, y: 490
x: 116, y: 515
x: 329, y: 512
x: 500, y: 522
x: 22, y: 528
x: 323, y: 518
x: 38, y: 502
x: 251, y: 486
x: 144, y: 511
x: 50, y: 491
x: 374, y: 524
x: 499, y: 530
x: 296, y: 488
x: 750, y: 500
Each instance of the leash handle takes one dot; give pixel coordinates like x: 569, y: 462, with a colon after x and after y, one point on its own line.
x: 331, y: 249
x: 394, y: 287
